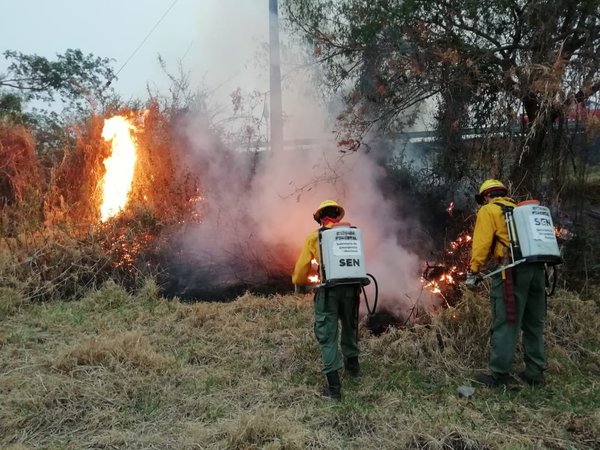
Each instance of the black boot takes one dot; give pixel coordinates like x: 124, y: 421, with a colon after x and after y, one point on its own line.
x: 534, y: 382
x: 494, y: 380
x: 334, y: 387
x: 353, y: 367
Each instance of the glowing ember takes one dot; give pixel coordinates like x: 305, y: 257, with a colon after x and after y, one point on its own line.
x: 563, y: 233
x: 441, y: 278
x: 450, y: 208
x: 120, y: 166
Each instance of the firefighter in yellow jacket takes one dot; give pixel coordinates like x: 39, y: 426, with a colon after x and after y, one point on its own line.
x: 517, y: 294
x: 332, y: 305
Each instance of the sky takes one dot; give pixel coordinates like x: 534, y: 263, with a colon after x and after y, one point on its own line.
x: 217, y: 41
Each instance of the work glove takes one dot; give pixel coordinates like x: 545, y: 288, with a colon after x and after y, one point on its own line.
x: 472, y: 279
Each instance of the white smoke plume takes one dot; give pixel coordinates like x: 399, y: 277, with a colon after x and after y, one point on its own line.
x: 262, y: 204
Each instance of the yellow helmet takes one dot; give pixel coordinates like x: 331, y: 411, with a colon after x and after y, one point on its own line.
x: 488, y: 186
x: 491, y: 185
x: 325, y: 204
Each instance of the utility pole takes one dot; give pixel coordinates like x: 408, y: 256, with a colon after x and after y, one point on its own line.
x: 275, y: 79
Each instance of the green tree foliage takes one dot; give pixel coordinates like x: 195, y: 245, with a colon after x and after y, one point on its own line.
x: 72, y: 77
x: 59, y: 91
x: 481, y: 61
x: 11, y: 109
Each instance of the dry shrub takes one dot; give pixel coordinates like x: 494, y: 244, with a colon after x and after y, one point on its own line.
x: 109, y: 296
x: 20, y: 181
x: 457, y: 339
x: 74, y: 252
x: 131, y: 349
x: 454, y: 339
x: 149, y: 291
x: 264, y: 429
x: 198, y: 315
x: 572, y: 329
x: 12, y: 300
x: 454, y: 440
x: 53, y: 265
x: 57, y: 264
x: 73, y: 196
x: 163, y: 183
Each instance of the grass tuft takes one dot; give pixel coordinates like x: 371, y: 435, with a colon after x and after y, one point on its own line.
x: 131, y: 349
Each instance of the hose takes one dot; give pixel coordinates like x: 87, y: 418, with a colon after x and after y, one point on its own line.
x: 370, y: 310
x: 550, y: 280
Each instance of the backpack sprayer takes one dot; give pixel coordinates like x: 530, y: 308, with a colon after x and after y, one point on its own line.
x: 531, y: 236
x: 343, y: 260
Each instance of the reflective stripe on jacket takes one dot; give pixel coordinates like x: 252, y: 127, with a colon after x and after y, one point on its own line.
x: 490, y: 223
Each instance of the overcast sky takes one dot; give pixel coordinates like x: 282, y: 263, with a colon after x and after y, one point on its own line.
x: 219, y: 41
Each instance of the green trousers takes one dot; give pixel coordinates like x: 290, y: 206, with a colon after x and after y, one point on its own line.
x: 333, y: 305
x: 530, y: 298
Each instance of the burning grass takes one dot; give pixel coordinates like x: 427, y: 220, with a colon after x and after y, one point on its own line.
x: 53, y: 244
x: 115, y: 369
x: 63, y: 237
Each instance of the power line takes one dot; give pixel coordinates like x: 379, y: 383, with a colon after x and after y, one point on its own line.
x: 141, y: 43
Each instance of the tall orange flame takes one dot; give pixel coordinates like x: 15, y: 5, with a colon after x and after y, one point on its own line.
x: 120, y: 166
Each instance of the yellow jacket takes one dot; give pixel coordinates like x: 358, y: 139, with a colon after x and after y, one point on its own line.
x: 490, y: 224
x: 309, y: 251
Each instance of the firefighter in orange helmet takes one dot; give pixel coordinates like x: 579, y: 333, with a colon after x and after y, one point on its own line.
x: 332, y: 305
x: 517, y: 294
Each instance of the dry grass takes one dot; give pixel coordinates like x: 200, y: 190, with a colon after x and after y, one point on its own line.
x: 115, y: 370
x: 20, y: 181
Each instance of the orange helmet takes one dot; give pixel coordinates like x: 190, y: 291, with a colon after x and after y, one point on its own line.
x: 326, y: 204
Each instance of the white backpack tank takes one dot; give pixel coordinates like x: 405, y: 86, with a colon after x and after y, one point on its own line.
x: 342, y: 256
x: 535, y: 239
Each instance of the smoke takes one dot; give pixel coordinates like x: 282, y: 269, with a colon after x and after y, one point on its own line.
x: 292, y: 183
x: 257, y: 208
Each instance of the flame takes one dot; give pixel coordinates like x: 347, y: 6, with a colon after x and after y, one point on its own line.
x: 120, y: 166
x: 441, y: 279
x: 563, y: 233
x: 314, y: 265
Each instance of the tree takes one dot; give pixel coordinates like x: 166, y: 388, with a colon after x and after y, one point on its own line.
x: 11, y: 109
x: 73, y: 77
x: 73, y: 86
x: 480, y: 60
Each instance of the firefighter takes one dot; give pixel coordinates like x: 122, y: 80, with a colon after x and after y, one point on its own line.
x: 331, y: 305
x: 517, y: 294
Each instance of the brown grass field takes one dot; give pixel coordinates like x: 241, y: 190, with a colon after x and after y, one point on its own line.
x: 115, y: 370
